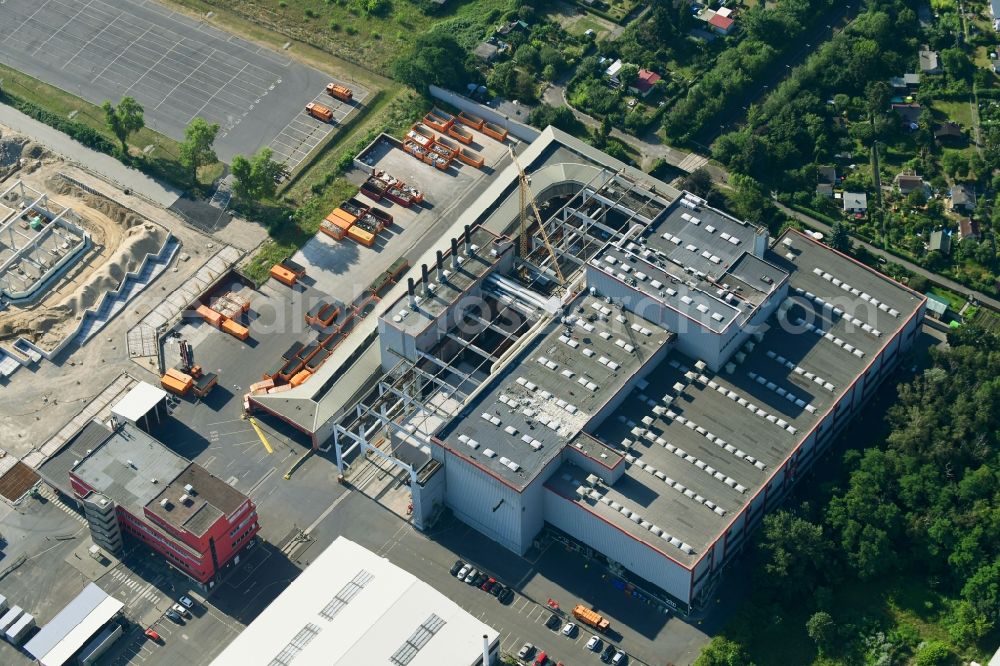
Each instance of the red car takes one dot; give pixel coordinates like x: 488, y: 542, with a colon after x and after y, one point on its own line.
x: 153, y: 636
x: 541, y: 659
x: 488, y: 584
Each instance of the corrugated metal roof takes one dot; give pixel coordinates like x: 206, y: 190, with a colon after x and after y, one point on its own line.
x: 73, y: 626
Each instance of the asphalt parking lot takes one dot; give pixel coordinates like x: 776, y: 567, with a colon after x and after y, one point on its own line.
x: 176, y: 67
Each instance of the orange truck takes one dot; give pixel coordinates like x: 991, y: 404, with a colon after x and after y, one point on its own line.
x: 590, y: 618
x: 319, y: 112
x: 337, y: 91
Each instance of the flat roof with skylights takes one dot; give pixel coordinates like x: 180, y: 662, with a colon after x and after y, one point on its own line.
x: 699, y: 444
x: 546, y: 395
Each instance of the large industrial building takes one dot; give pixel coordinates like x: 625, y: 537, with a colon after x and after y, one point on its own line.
x: 130, y: 482
x: 351, y: 607
x: 644, y: 380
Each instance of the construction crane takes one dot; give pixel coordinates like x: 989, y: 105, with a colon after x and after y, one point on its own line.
x: 527, y: 197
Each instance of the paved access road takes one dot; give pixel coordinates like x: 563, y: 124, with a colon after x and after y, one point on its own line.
x: 178, y: 68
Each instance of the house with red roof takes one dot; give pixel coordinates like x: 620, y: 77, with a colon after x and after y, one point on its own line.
x: 721, y: 24
x: 644, y: 82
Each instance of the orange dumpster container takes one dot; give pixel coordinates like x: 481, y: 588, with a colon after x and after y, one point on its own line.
x: 460, y: 133
x: 176, y: 386
x: 470, y: 158
x: 332, y: 230
x: 262, y: 386
x: 209, y: 315
x: 279, y: 389
x: 238, y: 331
x: 361, y: 236
x: 283, y: 275
x: 494, y: 131
x: 438, y: 122
x: 300, y: 377
x: 468, y: 119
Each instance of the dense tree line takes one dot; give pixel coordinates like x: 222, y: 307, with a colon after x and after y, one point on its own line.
x: 918, y: 514
x: 793, y: 126
x: 770, y: 32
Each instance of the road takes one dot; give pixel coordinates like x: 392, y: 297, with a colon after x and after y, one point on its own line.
x: 105, y: 165
x: 908, y: 265
x: 650, y: 148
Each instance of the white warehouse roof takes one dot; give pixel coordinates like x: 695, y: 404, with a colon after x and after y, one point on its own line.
x: 351, y: 607
x: 75, y: 624
x: 138, y: 402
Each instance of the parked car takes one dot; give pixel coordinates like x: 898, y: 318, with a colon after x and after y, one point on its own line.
x: 152, y: 635
x: 174, y: 617
x: 594, y: 644
x: 542, y: 659
x: 497, y: 589
x: 180, y: 610
x: 506, y: 596
x: 526, y: 651
x: 455, y: 568
x: 463, y: 572
x: 620, y: 658
x: 553, y: 622
x: 569, y: 629
x: 608, y: 653
x: 481, y: 579
x: 186, y: 602
x: 489, y: 584
x: 471, y: 576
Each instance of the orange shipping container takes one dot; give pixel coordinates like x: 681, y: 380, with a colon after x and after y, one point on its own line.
x: 283, y: 275
x: 361, y: 236
x: 178, y: 375
x: 236, y: 330
x: 175, y: 386
x: 261, y: 386
x: 209, y: 315
x: 300, y: 377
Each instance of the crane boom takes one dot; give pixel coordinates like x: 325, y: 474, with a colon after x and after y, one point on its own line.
x: 525, y: 195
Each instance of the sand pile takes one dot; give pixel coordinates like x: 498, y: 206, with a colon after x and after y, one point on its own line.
x: 47, y: 326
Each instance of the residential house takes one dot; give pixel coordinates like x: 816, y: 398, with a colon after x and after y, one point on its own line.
x: 722, y: 25
x: 827, y: 174
x: 855, y: 203
x: 940, y: 241
x: 929, y: 61
x: 995, y: 13
x: 644, y: 82
x: 910, y: 183
x: 949, y: 132
x: 486, y: 51
x: 824, y: 190
x: 968, y: 228
x: 513, y: 26
x: 936, y: 306
x: 612, y: 71
x: 908, y: 82
x: 963, y: 199
x: 909, y: 114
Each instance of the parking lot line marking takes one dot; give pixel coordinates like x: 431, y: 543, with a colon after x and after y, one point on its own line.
x: 233, y: 78
x: 207, y: 58
x: 68, y: 21
x: 108, y: 66
x: 25, y: 22
x: 151, y: 68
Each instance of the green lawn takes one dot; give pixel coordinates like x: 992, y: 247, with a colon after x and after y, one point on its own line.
x: 955, y: 302
x: 958, y: 111
x: 153, y: 145
x: 370, y: 41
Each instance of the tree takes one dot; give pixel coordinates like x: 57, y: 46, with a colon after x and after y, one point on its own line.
x: 435, y: 58
x: 562, y: 117
x: 822, y: 631
x: 196, y: 149
x: 934, y: 653
x: 698, y: 182
x: 258, y: 177
x: 722, y: 651
x: 840, y: 237
x: 628, y: 74
x: 123, y: 120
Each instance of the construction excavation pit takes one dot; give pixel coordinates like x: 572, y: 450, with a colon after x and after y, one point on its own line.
x: 69, y: 258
